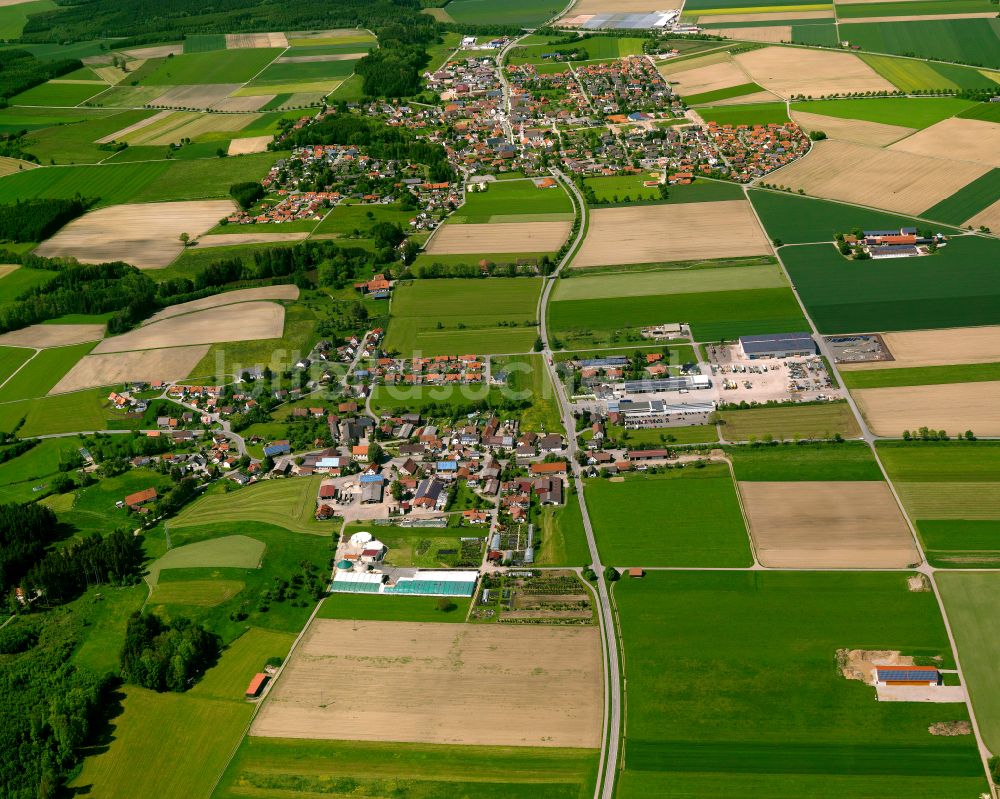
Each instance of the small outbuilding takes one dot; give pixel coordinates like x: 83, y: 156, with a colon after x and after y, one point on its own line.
x: 907, y: 675
x: 257, y: 684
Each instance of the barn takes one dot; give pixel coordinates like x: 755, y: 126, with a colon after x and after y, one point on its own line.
x: 257, y: 685
x: 907, y: 675
x: 778, y: 345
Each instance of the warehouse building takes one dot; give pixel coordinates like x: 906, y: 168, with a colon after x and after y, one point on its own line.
x: 778, y: 345
x: 408, y: 581
x: 686, y: 383
x: 657, y: 413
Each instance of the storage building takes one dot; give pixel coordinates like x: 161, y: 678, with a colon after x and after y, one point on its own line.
x: 778, y: 345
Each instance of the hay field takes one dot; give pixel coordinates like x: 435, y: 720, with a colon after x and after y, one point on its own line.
x: 177, y: 125
x: 771, y: 34
x: 948, y: 347
x: 430, y: 683
x: 896, y: 181
x: 157, y: 51
x: 777, y: 16
x: 957, y: 139
x: 790, y: 71
x: 953, y: 407
x: 241, y: 104
x: 201, y: 96
x: 121, y: 135
x: 673, y: 232
x: 40, y: 336
x: 144, y: 234
x: 963, y: 501
x: 231, y: 239
x: 708, y: 78
x: 748, y: 99
x: 989, y: 216
x: 247, y: 321
x: 918, y: 17
x: 858, y: 131
x: 288, y: 292
x: 241, y: 41
x: 850, y: 525
x: 174, y: 363
x: 251, y: 144
x: 500, y: 238
x: 8, y: 166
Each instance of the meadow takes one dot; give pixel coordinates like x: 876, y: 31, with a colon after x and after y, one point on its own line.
x: 665, y: 523
x: 667, y: 281
x: 910, y: 75
x: 909, y: 8
x: 561, y: 540
x: 42, y: 372
x: 805, y: 462
x: 11, y: 358
x: 61, y: 413
x: 14, y: 17
x: 707, y: 98
x: 93, y: 508
x: 623, y: 186
x: 270, y: 768
x: 521, y: 13
x: 898, y: 295
x: 75, y: 143
x: 513, y: 198
x: 597, y: 47
x: 285, y: 503
x: 966, y: 41
x: 789, y: 421
x: 753, y: 114
x: 910, y: 112
x: 971, y: 601
x: 35, y: 467
x: 755, y: 704
x: 372, y: 607
x: 58, y: 94
x: 988, y: 112
x: 967, y: 201
x: 922, y: 375
x: 222, y: 66
x: 21, y: 280
x: 527, y: 378
x: 344, y: 220
x: 455, y: 317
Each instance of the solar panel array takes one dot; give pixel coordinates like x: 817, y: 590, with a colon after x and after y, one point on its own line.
x: 626, y: 21
x: 908, y: 675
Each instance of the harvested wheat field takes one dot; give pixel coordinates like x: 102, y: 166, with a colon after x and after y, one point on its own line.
x: 120, y: 135
x: 708, y: 78
x: 41, y: 336
x: 518, y: 237
x: 8, y: 166
x: 146, y: 235
x: 747, y: 99
x: 227, y: 298
x: 305, y: 59
x: 252, y: 144
x: 243, y: 104
x: 952, y: 407
x: 896, y: 181
x: 174, y: 363
x: 771, y: 34
x: 858, y: 131
x: 188, y: 125
x: 429, y: 683
x: 777, y: 16
x: 6, y: 269
x: 243, y: 41
x: 677, y: 232
x: 245, y: 321
x: 953, y: 346
x: 790, y: 71
x: 846, y: 525
x: 201, y: 96
x: 232, y: 239
x: 920, y: 17
x: 989, y: 216
x: 615, y: 7
x: 956, y: 139
x: 159, y: 51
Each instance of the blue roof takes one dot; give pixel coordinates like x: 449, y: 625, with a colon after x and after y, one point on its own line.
x: 432, y: 588
x: 277, y: 449
x: 888, y: 674
x: 371, y: 478
x: 447, y: 466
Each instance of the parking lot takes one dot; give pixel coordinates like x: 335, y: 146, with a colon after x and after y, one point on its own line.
x: 738, y: 379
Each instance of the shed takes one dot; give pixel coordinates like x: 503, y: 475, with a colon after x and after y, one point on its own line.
x: 257, y: 685
x: 907, y: 675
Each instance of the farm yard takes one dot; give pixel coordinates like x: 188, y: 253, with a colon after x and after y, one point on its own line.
x: 718, y: 725
x: 560, y: 669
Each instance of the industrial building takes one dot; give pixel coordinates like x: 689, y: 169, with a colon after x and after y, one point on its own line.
x: 657, y: 413
x: 686, y: 383
x: 778, y: 345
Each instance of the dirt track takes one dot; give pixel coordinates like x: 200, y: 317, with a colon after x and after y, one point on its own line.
x: 952, y: 346
x: 953, y: 407
x: 850, y: 525
x: 174, y: 363
x: 679, y: 232
x: 440, y: 683
x: 789, y: 71
x: 517, y: 237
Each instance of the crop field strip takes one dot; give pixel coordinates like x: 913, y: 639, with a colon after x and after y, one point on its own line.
x: 969, y: 41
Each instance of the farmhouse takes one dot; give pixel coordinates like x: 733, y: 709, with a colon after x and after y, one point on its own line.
x: 140, y: 498
x: 778, y: 345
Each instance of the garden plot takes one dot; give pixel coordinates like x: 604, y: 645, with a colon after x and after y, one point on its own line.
x: 957, y: 139
x: 174, y: 363
x: 672, y: 232
x: 852, y: 130
x: 897, y: 181
x: 793, y: 71
x: 437, y: 683
x: 242, y: 41
x: 708, y: 78
x: 288, y: 292
x: 949, y: 347
x: 201, y: 96
x: 251, y: 144
x: 147, y: 235
x: 40, y: 336
x: 849, y: 525
x: 247, y: 321
x: 953, y: 407
x: 499, y: 238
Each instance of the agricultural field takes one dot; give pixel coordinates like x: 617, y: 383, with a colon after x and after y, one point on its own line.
x: 561, y: 540
x: 220, y: 67
x: 789, y: 422
x: 974, y: 204
x: 952, y: 407
x: 559, y: 667
x: 970, y: 139
x: 455, y: 317
x: 597, y: 47
x: 664, y: 529
x: 964, y: 41
x: 633, y: 235
x: 852, y: 130
x: 58, y: 94
x: 271, y: 767
x: 372, y: 607
x: 626, y: 186
x: 918, y: 352
x: 18, y: 477
x: 951, y: 491
x: 469, y: 239
x: 846, y: 461
x: 912, y: 112
x: 285, y: 503
x: 520, y: 13
x: 41, y: 373
x: 751, y: 114
x: 897, y: 295
x: 922, y: 375
x: 508, y: 200
x: 791, y: 725
x: 909, y: 75
x: 809, y: 73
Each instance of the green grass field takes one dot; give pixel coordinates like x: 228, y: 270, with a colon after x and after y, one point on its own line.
x: 753, y: 114
x: 653, y: 520
x: 922, y: 376
x: 61, y: 413
x: 58, y: 94
x: 391, y: 608
x: 754, y: 704
x: 966, y: 41
x: 708, y: 98
x: 10, y: 359
x: 14, y: 120
x: 971, y: 601
x: 528, y: 378
x: 561, y: 540
x: 789, y: 422
x: 988, y: 112
x: 510, y: 199
x: 912, y: 8
x: 910, y: 75
x: 74, y: 143
x: 42, y: 372
x: 522, y: 13
x: 805, y: 462
x: 819, y: 33
x: 222, y: 66
x: 967, y: 201
x: 631, y: 186
x: 243, y: 658
x: 232, y: 551
x: 415, y: 399
x: 16, y: 283
x: 899, y: 294
x: 305, y: 71
x: 910, y: 112
x: 271, y: 768
x: 475, y: 316
x: 285, y: 503
x: 669, y: 281
x: 34, y: 468
x: 344, y: 220
x: 14, y: 18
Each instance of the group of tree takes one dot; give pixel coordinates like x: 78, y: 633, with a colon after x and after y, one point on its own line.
x: 20, y: 70
x: 35, y: 220
x: 26, y: 530
x: 166, y: 656
x: 63, y: 574
x: 247, y: 193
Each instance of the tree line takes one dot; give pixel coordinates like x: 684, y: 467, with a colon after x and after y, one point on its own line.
x: 20, y: 70
x: 35, y: 220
